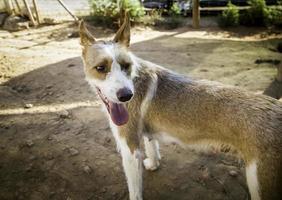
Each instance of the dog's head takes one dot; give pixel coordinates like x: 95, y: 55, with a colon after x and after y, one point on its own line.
x: 109, y: 67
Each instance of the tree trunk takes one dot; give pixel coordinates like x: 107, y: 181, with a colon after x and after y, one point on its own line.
x: 196, y: 13
x: 279, y: 73
x: 275, y: 88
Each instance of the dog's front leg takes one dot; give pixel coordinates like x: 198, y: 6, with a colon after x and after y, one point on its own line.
x: 128, y: 143
x: 152, y: 162
x: 132, y: 164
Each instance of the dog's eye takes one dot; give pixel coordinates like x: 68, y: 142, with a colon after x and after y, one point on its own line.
x: 125, y: 66
x: 101, y: 69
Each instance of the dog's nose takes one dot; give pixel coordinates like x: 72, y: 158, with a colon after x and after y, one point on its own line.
x: 124, y: 94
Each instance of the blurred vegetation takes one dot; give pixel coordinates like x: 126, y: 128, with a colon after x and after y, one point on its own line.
x: 107, y: 12
x: 259, y: 14
x: 173, y: 20
x: 229, y: 17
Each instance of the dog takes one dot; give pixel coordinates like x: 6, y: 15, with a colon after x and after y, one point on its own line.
x: 144, y: 100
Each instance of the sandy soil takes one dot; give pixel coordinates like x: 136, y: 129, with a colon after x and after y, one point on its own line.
x: 56, y: 144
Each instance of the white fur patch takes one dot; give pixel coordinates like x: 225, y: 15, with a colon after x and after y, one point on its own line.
x: 150, y: 95
x: 132, y: 165
x: 152, y: 153
x: 135, y: 65
x: 252, y: 180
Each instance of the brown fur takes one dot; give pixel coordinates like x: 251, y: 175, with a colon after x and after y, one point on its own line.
x: 197, y: 111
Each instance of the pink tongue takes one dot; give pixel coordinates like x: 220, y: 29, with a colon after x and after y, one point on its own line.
x: 118, y: 113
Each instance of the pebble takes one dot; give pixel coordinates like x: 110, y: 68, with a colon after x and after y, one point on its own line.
x: 49, y: 86
x: 73, y: 151
x: 32, y: 157
x: 64, y: 114
x: 28, y: 105
x: 29, y: 143
x: 233, y: 173
x: 71, y: 65
x: 29, y: 168
x: 87, y: 169
x: 108, y: 139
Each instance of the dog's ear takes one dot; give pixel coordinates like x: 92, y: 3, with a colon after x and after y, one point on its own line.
x: 123, y: 34
x: 86, y: 38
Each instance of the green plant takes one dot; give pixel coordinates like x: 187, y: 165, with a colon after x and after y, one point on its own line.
x: 275, y: 17
x: 134, y: 8
x: 256, y: 15
x: 230, y: 16
x: 174, y: 10
x: 107, y: 11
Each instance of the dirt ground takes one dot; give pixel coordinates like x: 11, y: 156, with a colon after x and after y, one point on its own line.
x: 56, y: 144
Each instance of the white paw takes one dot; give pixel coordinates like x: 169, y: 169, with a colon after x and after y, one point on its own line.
x: 150, y: 164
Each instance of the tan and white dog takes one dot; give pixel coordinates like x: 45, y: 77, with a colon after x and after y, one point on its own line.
x: 143, y: 100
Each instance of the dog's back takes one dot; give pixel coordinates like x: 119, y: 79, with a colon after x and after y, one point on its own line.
x: 197, y: 111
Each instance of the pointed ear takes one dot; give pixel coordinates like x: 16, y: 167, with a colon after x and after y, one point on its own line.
x: 86, y: 38
x: 123, y: 34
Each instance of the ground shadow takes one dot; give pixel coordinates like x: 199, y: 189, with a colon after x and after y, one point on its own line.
x: 54, y: 156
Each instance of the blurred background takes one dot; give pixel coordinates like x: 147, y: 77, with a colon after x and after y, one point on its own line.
x: 55, y: 142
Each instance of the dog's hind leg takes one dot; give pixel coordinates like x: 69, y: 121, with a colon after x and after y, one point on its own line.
x: 152, y: 162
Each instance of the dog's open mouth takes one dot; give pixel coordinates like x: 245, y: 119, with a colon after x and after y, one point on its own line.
x: 117, y: 111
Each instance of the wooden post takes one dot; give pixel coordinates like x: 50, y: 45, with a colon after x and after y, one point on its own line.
x: 36, y: 10
x: 26, y: 4
x: 18, y: 7
x: 196, y: 13
x: 9, y: 7
x: 68, y: 10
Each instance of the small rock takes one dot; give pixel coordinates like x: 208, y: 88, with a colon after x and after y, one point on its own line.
x: 64, y: 114
x: 28, y: 105
x: 71, y: 65
x: 15, y: 23
x: 108, y: 140
x: 233, y: 173
x: 29, y: 168
x: 204, y: 70
x: 29, y: 143
x: 74, y: 34
x: 50, y: 21
x: 73, y: 151
x: 49, y: 86
x: 87, y: 169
